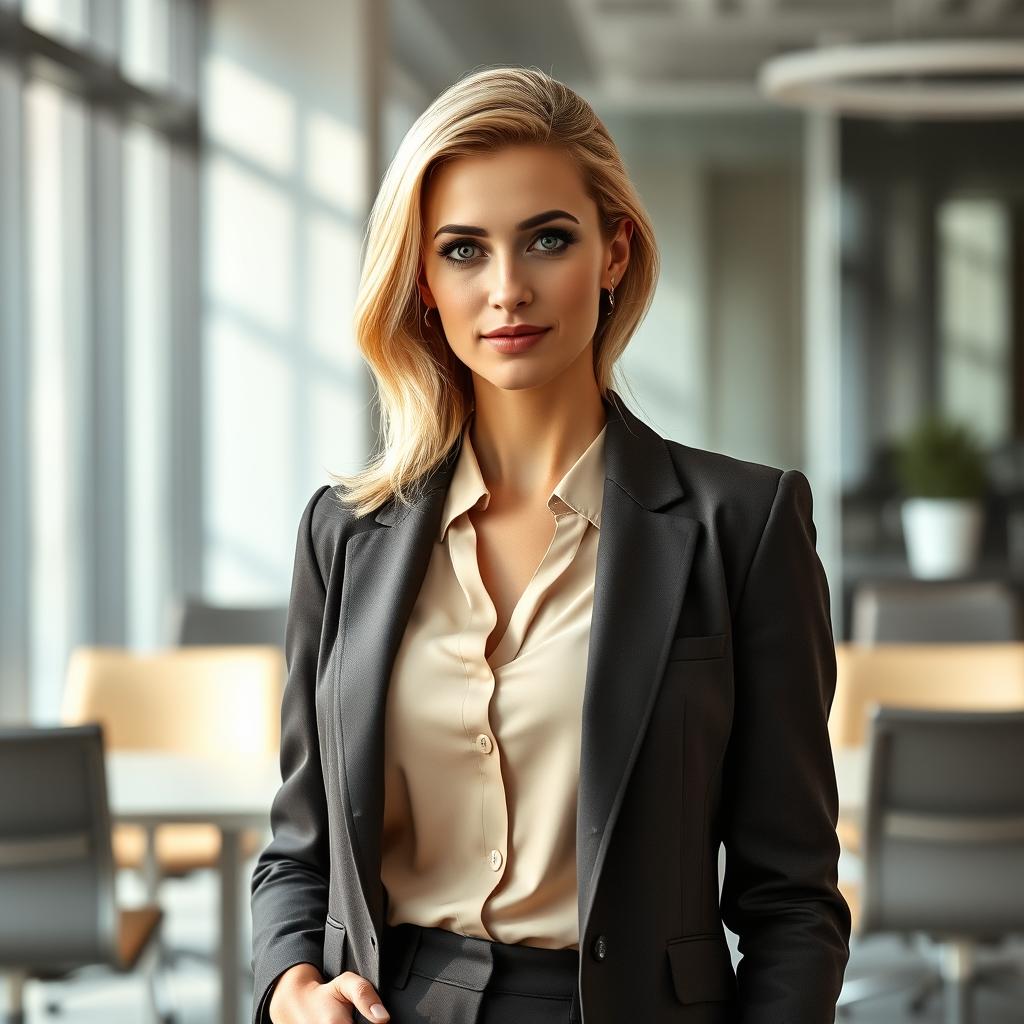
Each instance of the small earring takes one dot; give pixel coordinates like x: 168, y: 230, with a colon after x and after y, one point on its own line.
x: 611, y: 297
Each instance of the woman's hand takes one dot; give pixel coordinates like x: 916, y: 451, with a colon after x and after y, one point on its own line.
x: 301, y: 995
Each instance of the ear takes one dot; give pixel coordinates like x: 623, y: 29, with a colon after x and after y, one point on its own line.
x: 618, y: 253
x: 424, y: 289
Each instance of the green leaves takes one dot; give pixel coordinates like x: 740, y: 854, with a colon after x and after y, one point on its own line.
x: 941, y: 458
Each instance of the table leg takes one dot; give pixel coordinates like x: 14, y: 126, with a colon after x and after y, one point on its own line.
x: 15, y: 996
x: 151, y: 866
x: 230, y: 857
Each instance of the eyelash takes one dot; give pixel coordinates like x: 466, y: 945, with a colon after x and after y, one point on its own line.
x: 568, y: 237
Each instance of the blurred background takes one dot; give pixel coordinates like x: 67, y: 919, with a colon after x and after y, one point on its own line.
x: 838, y: 191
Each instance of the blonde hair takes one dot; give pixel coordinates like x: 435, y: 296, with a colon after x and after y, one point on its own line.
x: 425, y: 392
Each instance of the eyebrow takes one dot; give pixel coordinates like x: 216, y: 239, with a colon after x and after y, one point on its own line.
x: 530, y: 222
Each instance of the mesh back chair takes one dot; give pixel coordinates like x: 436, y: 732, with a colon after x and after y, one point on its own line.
x: 970, y: 677
x: 929, y: 612
x: 944, y: 849
x: 57, y: 866
x: 202, y: 623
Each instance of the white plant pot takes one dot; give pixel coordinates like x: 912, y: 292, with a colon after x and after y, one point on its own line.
x: 942, y: 535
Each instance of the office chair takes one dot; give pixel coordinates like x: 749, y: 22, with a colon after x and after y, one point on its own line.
x: 57, y: 867
x: 198, y: 622
x: 968, y: 677
x: 943, y: 850
x: 924, y: 611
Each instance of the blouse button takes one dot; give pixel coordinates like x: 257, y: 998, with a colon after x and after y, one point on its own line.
x: 495, y: 859
x: 484, y: 742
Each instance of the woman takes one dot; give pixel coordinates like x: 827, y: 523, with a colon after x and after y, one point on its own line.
x: 542, y: 661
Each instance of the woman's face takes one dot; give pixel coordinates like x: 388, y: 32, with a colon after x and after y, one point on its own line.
x: 511, y: 237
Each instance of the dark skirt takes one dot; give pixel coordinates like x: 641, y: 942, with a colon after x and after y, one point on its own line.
x: 434, y: 976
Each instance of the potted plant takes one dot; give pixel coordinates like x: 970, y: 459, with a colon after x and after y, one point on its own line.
x: 941, y: 469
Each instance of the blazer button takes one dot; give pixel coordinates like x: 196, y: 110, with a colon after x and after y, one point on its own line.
x: 600, y: 948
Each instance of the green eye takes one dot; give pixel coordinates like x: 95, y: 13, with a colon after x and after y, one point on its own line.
x: 567, y: 238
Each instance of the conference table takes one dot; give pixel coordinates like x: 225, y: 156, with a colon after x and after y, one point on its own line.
x: 234, y: 794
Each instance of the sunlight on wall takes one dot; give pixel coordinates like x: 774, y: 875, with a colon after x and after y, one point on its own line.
x: 335, y: 162
x: 284, y: 389
x: 249, y: 116
x: 250, y: 416
x: 329, y: 290
x: 145, y: 54
x: 63, y: 18
x: 250, y: 237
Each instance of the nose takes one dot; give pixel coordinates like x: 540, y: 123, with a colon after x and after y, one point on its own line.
x: 510, y: 288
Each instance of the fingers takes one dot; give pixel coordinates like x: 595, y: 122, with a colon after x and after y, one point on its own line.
x: 361, y: 994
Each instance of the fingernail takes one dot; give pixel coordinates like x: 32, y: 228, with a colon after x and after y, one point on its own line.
x: 379, y: 1012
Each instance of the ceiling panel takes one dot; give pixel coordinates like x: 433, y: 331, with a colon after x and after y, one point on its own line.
x: 658, y: 53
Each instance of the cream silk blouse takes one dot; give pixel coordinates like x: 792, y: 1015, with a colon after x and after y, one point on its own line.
x: 482, y: 755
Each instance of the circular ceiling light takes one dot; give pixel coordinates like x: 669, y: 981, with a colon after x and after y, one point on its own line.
x: 921, y: 79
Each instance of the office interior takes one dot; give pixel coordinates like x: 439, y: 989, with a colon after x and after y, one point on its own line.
x: 184, y: 187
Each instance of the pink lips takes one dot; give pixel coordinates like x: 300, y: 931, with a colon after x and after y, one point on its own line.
x: 513, y: 344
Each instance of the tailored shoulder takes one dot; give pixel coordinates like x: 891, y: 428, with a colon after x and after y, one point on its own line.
x: 333, y: 522
x: 724, y: 477
x: 335, y: 515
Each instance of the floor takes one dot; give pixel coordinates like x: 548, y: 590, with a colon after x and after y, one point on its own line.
x: 95, y: 996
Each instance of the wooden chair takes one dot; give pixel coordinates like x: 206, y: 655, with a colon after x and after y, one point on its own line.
x: 195, y: 700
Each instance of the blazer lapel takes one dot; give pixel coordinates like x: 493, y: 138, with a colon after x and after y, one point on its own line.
x: 384, y: 570
x: 644, y: 558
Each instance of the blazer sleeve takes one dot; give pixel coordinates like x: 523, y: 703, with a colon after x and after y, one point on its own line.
x: 780, y: 892
x: 290, y: 880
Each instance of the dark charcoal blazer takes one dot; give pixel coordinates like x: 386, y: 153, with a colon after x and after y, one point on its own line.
x: 710, y: 677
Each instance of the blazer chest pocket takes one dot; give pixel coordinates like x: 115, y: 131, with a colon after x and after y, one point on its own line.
x: 701, y: 968
x: 334, y: 947
x: 689, y: 648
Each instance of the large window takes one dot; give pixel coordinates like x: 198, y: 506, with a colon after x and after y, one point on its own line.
x: 98, y: 286
x: 975, y: 325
